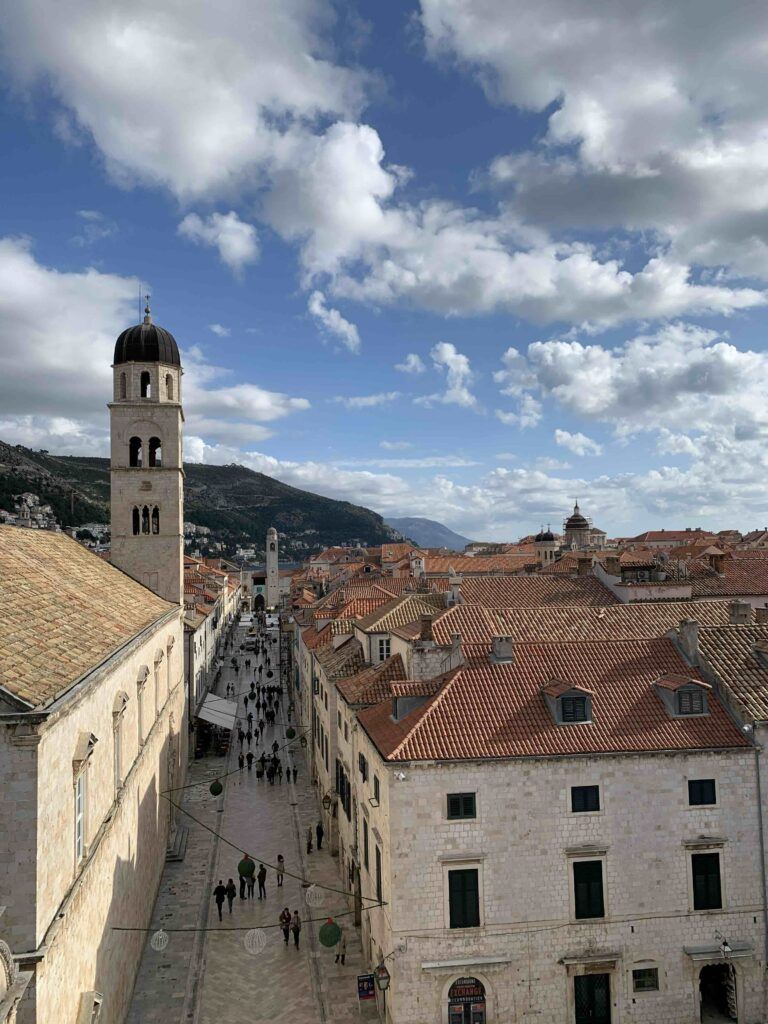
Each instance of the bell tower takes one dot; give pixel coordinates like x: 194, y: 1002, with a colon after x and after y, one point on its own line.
x: 273, y: 580
x: 147, y: 475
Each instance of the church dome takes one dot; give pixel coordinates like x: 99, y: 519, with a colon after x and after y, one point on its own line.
x: 576, y: 521
x: 147, y: 343
x: 545, y: 535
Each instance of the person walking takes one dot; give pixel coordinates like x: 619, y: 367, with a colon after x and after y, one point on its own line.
x: 249, y: 759
x: 275, y: 747
x: 280, y: 870
x: 249, y: 736
x: 262, y: 877
x: 280, y: 774
x: 341, y: 948
x: 245, y: 869
x: 251, y: 886
x: 309, y: 839
x: 241, y: 760
x: 285, y: 923
x: 231, y: 893
x: 320, y: 832
x: 295, y: 774
x: 219, y: 894
x: 296, y: 928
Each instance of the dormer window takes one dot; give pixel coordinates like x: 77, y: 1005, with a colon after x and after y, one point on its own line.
x: 574, y: 708
x: 568, y: 704
x: 691, y: 702
x: 682, y: 695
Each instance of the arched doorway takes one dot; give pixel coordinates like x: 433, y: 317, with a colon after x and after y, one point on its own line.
x: 717, y: 986
x: 466, y: 1002
x: 258, y: 603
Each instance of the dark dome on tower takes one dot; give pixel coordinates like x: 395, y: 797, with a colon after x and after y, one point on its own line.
x: 544, y: 535
x: 576, y: 521
x: 147, y: 343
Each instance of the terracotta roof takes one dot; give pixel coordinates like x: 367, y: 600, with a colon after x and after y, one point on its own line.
x: 401, y: 610
x: 477, y: 565
x: 730, y: 651
x: 747, y: 577
x: 675, y: 681
x: 341, y: 661
x: 63, y: 611
x: 535, y: 591
x: 491, y: 710
x: 373, y: 683
x: 676, y: 536
x: 394, y: 552
x: 312, y: 638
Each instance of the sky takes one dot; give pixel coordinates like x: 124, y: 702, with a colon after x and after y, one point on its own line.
x: 461, y: 259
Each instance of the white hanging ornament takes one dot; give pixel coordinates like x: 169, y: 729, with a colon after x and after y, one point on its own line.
x: 314, y: 896
x: 255, y: 941
x: 159, y: 940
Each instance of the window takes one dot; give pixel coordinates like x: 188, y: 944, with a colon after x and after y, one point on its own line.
x: 140, y: 711
x: 145, y: 519
x: 146, y: 384
x: 378, y: 875
x: 325, y: 699
x: 136, y: 517
x: 155, y: 520
x: 384, y: 648
x: 701, y: 791
x: 585, y: 799
x: 365, y: 844
x: 117, y: 735
x: 574, y: 708
x: 707, y: 894
x: 169, y: 387
x: 461, y: 805
x: 376, y: 788
x: 346, y: 731
x: 645, y: 979
x: 690, y: 702
x: 464, y: 898
x: 588, y: 888
x: 81, y: 796
x: 135, y: 458
x: 123, y: 389
x: 338, y: 718
x: 362, y: 764
x: 155, y: 451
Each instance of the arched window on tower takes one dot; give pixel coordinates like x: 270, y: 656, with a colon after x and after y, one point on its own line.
x: 169, y: 386
x: 145, y: 519
x: 135, y: 453
x: 155, y: 452
x: 155, y: 520
x: 136, y: 521
x: 123, y: 387
x: 146, y: 384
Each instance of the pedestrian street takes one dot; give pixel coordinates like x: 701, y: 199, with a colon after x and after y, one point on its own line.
x: 208, y: 976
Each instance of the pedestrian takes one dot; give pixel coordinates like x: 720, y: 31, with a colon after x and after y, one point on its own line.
x: 240, y: 735
x: 320, y: 831
x: 249, y: 736
x: 262, y: 877
x: 271, y: 775
x: 275, y: 747
x: 241, y: 760
x: 280, y: 870
x: 341, y: 948
x: 251, y: 886
x: 250, y: 719
x: 280, y: 774
x: 249, y: 759
x: 219, y: 894
x: 296, y: 927
x: 263, y: 760
x: 231, y: 893
x: 245, y: 869
x: 261, y: 727
x: 309, y: 839
x: 295, y: 774
x: 285, y: 923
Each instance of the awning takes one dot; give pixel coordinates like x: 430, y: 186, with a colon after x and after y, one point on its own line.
x: 218, y: 711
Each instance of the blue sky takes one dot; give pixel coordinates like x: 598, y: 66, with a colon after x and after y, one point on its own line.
x: 550, y: 218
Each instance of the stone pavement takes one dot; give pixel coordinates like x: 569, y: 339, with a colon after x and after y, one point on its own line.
x: 208, y: 977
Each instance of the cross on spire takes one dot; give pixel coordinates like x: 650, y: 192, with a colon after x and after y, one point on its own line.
x: 147, y: 312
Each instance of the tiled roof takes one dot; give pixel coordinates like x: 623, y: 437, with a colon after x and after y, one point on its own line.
x: 491, y: 710
x: 475, y: 566
x: 676, y: 536
x: 373, y: 683
x: 312, y: 638
x: 730, y: 651
x: 400, y: 611
x: 535, y: 591
x: 394, y: 552
x: 341, y: 661
x: 747, y: 577
x: 63, y: 611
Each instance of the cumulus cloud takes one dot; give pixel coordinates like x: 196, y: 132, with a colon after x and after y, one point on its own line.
x: 367, y: 401
x: 395, y: 446
x: 220, y: 330
x: 412, y: 363
x: 236, y: 241
x: 333, y: 322
x: 94, y: 227
x: 529, y: 413
x: 577, y: 443
x: 458, y: 372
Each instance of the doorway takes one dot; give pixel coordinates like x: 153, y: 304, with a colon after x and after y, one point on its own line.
x: 717, y: 986
x: 592, y: 998
x: 466, y: 1002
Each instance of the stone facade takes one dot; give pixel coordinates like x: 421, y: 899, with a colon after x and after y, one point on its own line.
x: 273, y: 578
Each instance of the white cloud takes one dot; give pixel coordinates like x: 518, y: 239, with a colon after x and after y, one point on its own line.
x: 459, y: 377
x: 333, y: 322
x: 426, y: 462
x: 577, y: 443
x: 412, y: 363
x: 528, y: 413
x: 95, y: 228
x: 367, y: 401
x: 237, y: 242
x: 395, y: 446
x: 220, y: 330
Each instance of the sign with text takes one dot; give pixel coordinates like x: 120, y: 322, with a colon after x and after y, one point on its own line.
x: 366, y: 988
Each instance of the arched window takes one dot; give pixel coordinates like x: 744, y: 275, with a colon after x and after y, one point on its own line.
x: 123, y: 389
x: 155, y: 520
x: 146, y: 384
x: 135, y: 452
x: 136, y: 521
x: 155, y: 452
x: 145, y: 519
x: 169, y: 386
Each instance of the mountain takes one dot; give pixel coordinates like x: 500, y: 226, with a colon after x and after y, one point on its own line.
x: 235, y: 503
x: 427, y: 533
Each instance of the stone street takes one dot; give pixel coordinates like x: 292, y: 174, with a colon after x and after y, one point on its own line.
x: 208, y: 977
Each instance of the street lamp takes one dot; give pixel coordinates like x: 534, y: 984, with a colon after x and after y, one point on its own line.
x: 327, y: 801
x: 382, y: 976
x: 725, y: 949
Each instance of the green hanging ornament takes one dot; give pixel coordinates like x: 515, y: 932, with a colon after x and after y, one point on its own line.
x: 290, y: 732
x: 329, y: 933
x: 216, y: 788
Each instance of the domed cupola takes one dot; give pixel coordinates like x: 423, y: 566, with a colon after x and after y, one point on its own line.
x: 576, y: 521
x: 147, y: 343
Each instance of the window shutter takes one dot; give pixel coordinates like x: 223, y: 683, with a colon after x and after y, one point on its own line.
x: 464, y: 898
x: 588, y: 888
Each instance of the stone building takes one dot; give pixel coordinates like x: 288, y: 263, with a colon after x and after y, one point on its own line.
x: 273, y: 580
x: 579, y: 532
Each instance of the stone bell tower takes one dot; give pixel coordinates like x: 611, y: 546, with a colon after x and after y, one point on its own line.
x: 273, y: 580
x: 147, y: 474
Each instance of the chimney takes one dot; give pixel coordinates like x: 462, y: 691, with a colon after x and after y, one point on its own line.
x: 425, y: 630
x: 716, y: 562
x: 761, y: 616
x: 613, y: 565
x: 739, y: 613
x: 583, y: 566
x: 454, y: 588
x: 502, y: 650
x: 688, y: 632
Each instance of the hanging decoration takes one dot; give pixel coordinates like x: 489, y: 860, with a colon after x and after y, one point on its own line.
x: 216, y: 788
x: 329, y: 933
x: 303, y: 741
x: 159, y: 940
x: 255, y: 941
x: 290, y: 732
x: 314, y: 896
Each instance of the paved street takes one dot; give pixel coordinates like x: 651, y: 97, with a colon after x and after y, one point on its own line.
x: 209, y: 977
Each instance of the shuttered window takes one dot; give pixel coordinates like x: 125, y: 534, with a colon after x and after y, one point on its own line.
x: 464, y: 898
x: 461, y: 805
x: 588, y: 888
x: 701, y: 791
x: 707, y: 894
x: 574, y: 708
x: 585, y: 798
x: 690, y: 702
